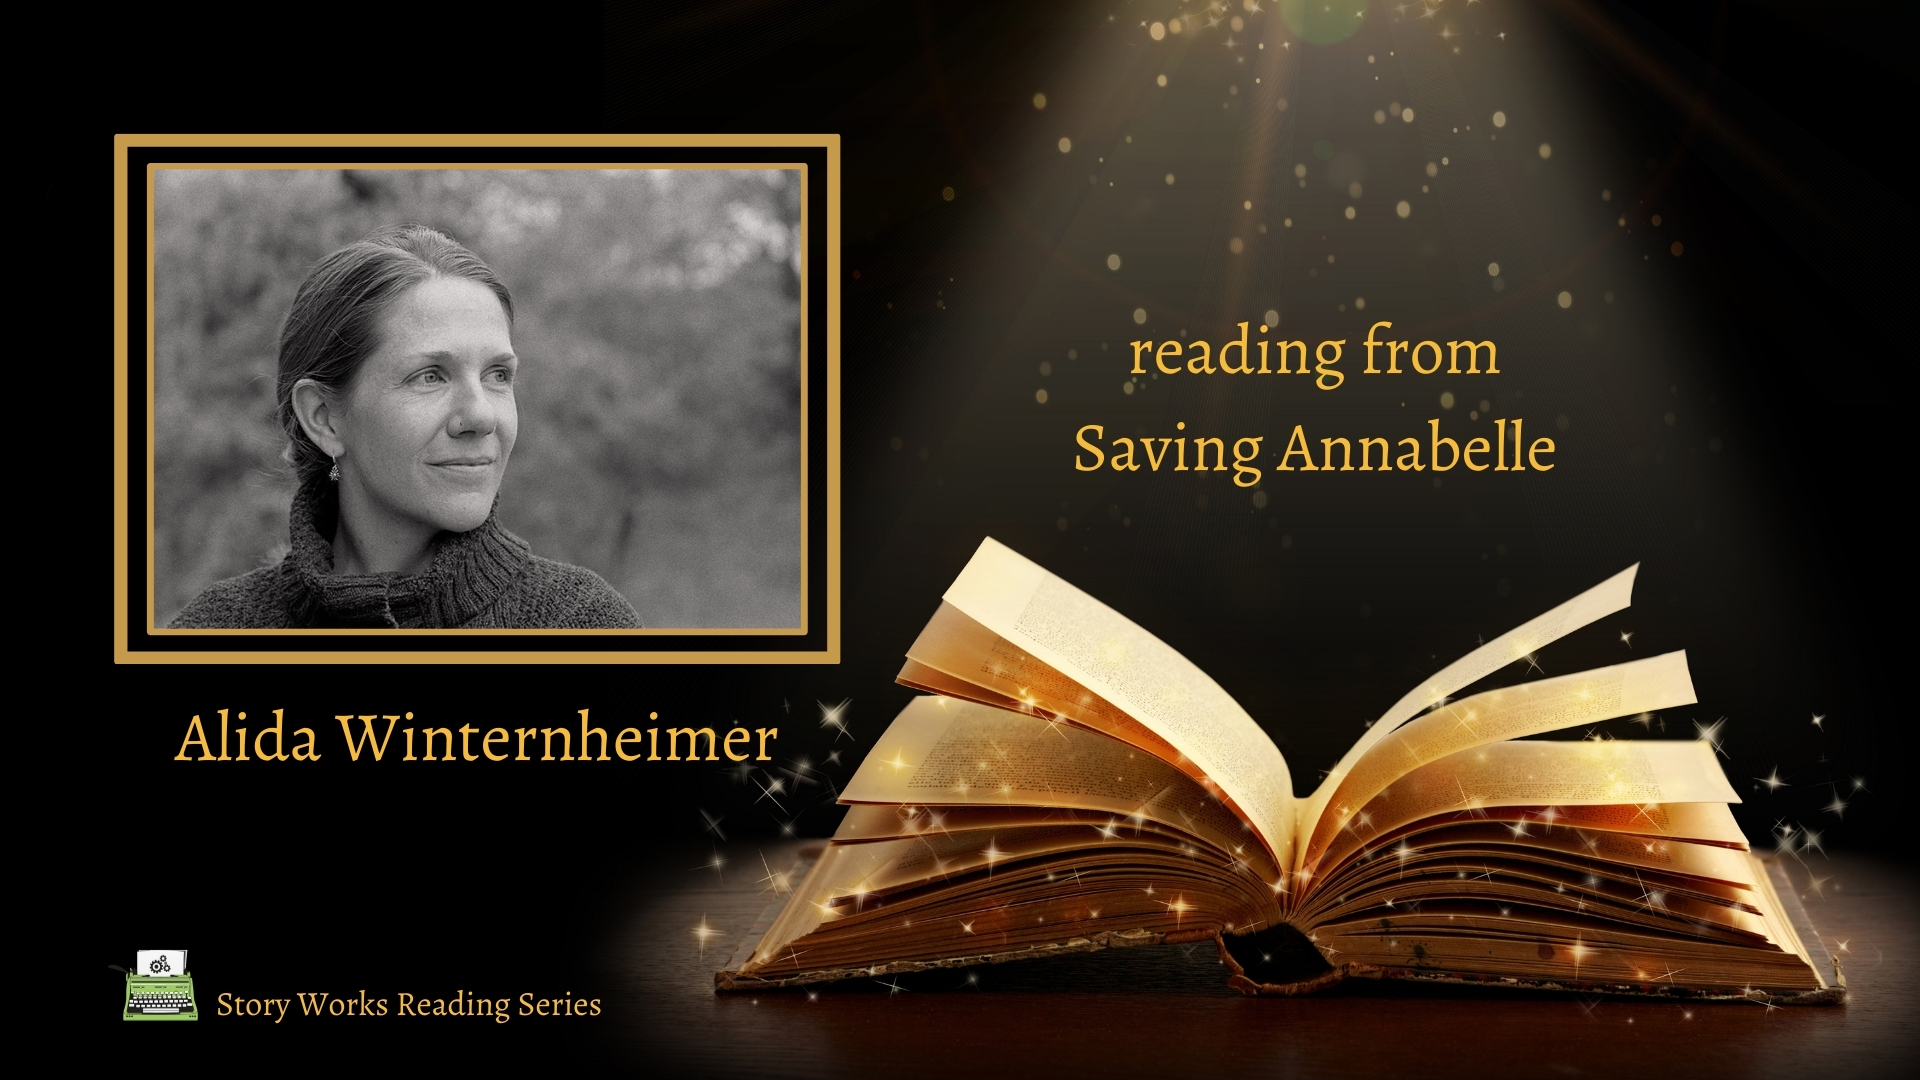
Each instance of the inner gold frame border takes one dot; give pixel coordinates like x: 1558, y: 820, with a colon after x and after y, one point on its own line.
x: 828, y: 605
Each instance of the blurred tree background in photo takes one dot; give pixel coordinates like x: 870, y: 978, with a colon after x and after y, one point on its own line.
x: 657, y: 318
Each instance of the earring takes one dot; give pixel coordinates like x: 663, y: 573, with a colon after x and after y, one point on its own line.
x: 334, y: 473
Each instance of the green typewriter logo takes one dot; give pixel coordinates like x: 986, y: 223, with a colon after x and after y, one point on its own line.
x: 159, y: 988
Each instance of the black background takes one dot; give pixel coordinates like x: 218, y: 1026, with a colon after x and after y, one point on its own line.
x: 510, y: 875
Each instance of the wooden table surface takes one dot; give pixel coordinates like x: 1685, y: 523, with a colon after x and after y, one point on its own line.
x: 1167, y: 1011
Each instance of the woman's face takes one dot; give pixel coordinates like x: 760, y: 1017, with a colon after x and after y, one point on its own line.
x: 430, y: 419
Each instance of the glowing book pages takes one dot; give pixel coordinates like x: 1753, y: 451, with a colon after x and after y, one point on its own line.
x: 1075, y: 784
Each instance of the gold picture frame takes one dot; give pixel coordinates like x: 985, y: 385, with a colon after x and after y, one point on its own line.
x: 137, y: 638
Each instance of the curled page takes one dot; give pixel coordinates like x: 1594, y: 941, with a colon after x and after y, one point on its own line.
x: 1659, y: 682
x: 1656, y: 787
x: 1146, y: 678
x: 1598, y: 602
x: 953, y: 753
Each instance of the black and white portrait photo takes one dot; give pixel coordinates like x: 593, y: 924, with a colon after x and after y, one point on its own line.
x: 476, y: 398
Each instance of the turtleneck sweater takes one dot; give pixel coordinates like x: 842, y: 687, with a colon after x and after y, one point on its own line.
x: 482, y: 579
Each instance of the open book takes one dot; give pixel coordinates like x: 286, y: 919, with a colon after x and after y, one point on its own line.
x: 1073, y: 783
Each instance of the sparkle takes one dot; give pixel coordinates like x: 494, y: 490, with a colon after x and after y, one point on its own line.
x: 1819, y: 720
x: 1580, y: 952
x: 713, y: 824
x: 771, y: 792
x: 802, y: 771
x: 1055, y: 724
x: 703, y: 933
x: 1626, y: 638
x: 1710, y: 734
x: 834, y: 718
x: 778, y: 882
x: 1772, y: 780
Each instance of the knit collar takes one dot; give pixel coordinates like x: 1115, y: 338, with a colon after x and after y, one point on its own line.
x: 466, y: 573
